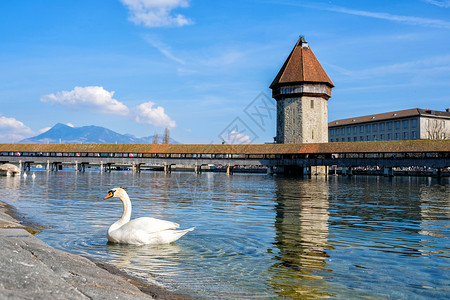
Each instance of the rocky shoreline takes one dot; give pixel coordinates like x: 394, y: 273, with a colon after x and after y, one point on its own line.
x: 32, y: 269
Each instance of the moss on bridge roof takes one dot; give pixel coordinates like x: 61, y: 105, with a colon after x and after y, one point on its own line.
x: 349, y: 147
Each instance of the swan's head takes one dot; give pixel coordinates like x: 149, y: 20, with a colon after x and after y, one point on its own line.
x: 115, y: 192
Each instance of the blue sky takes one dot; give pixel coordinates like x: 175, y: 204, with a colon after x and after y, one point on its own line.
x: 203, y: 68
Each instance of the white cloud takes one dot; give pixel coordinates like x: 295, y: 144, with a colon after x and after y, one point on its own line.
x: 93, y: 98
x: 225, y: 59
x: 163, y: 48
x: 45, y: 129
x: 432, y: 65
x: 440, y: 3
x: 397, y: 18
x: 157, y: 13
x: 426, y: 22
x: 235, y: 137
x: 12, y: 130
x: 145, y: 113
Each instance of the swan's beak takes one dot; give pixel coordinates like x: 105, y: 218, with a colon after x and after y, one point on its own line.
x: 110, y: 194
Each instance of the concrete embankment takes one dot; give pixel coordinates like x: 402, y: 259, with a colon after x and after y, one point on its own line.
x: 31, y: 269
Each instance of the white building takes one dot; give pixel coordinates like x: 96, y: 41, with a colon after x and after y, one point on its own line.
x: 410, y: 124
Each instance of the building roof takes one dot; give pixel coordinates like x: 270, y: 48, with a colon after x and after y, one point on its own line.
x: 301, y: 66
x: 390, y: 116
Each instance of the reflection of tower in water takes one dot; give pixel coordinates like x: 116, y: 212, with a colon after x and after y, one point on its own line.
x: 301, y: 238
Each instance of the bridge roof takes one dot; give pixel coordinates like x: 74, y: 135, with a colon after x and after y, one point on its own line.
x: 313, y: 148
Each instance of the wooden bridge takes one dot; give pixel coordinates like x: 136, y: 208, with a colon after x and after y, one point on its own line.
x: 293, y: 158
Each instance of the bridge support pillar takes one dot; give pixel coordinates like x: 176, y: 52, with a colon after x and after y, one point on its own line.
x: 197, y: 169
x: 229, y: 170
x: 76, y: 166
x: 167, y: 169
x: 48, y: 166
x: 319, y: 170
x: 304, y: 171
x: 26, y: 166
x: 269, y: 170
x: 437, y: 173
x: 347, y: 171
x: 388, y: 172
x: 55, y: 166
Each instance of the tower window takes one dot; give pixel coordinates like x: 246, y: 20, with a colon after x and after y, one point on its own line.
x: 312, y: 103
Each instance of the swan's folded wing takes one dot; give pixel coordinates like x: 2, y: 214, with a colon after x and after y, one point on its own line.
x: 150, y: 225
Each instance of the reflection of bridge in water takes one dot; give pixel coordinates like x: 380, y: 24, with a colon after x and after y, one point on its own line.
x: 291, y: 158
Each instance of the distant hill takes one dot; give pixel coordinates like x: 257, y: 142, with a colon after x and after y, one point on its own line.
x: 61, y: 133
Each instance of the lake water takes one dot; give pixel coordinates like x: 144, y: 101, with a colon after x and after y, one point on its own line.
x: 257, y: 236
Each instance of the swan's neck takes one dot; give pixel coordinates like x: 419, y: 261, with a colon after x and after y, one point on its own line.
x: 126, y: 213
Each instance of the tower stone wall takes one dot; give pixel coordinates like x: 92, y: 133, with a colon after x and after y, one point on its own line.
x: 302, y: 120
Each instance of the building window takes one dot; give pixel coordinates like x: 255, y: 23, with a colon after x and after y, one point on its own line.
x: 413, y: 123
x: 405, y: 135
x: 331, y: 132
x: 443, y: 124
x: 389, y: 125
x: 389, y: 136
x: 381, y: 137
x: 349, y: 139
x: 367, y: 128
x: 355, y: 139
x: 374, y: 137
x: 397, y: 136
x: 312, y: 103
x: 382, y: 126
x: 405, y: 124
x: 349, y: 130
x: 355, y: 130
x: 343, y: 131
x: 367, y: 138
x: 361, y: 138
x: 361, y: 128
x: 414, y: 135
x: 397, y: 124
x: 375, y: 127
x: 427, y: 122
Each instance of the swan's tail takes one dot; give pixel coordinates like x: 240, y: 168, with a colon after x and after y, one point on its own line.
x: 168, y: 236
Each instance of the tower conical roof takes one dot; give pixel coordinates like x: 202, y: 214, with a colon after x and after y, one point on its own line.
x: 301, y: 66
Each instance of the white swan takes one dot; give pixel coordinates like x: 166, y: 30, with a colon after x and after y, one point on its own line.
x: 141, y: 231
x: 33, y: 176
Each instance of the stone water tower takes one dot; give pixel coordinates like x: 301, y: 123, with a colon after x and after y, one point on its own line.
x: 302, y: 89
